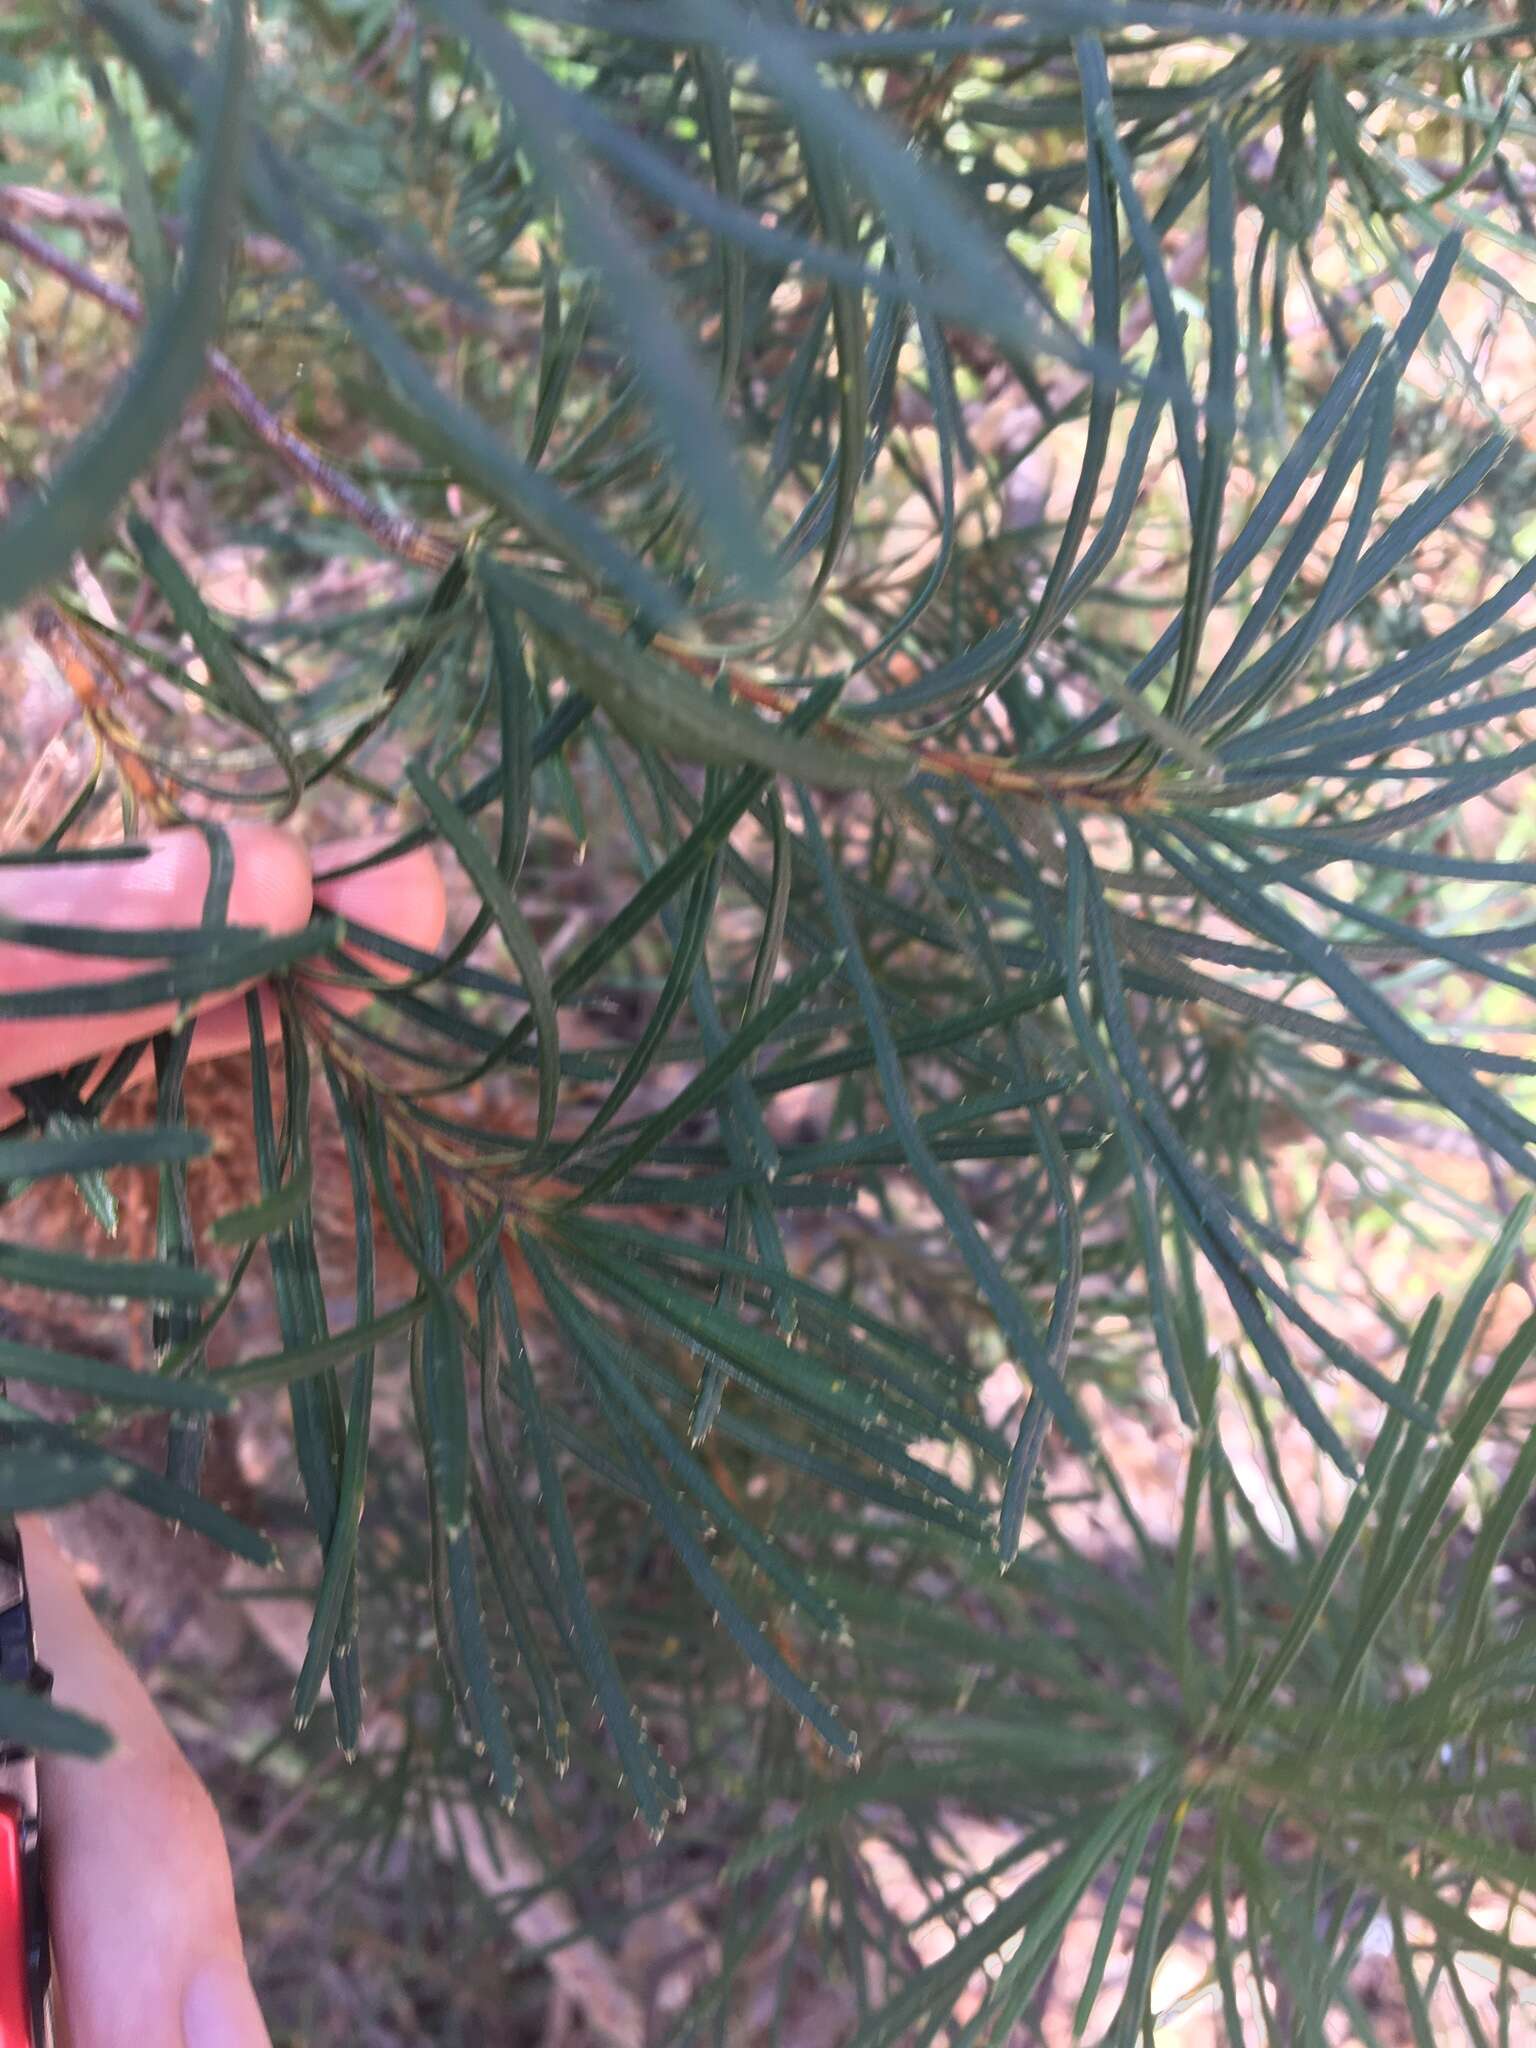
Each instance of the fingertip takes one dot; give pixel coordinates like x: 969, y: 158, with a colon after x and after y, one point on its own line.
x: 272, y: 885
x: 404, y: 897
x: 163, y: 881
x: 165, y: 884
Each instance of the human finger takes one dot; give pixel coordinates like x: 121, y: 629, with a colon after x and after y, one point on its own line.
x: 146, y: 1941
x: 403, y: 898
x: 164, y: 888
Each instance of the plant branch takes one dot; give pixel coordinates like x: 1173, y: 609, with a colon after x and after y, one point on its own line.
x: 258, y: 252
x: 413, y: 542
x: 391, y: 531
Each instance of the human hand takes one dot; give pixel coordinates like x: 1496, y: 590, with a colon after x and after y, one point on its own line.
x: 141, y: 1905
x: 147, y: 1948
x: 273, y: 886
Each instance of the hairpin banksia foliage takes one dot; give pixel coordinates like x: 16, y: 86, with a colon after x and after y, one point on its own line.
x: 951, y: 588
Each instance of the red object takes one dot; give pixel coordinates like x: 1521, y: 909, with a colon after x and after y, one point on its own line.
x: 15, y: 1992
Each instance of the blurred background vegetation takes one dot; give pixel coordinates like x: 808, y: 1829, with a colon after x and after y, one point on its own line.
x: 958, y: 1181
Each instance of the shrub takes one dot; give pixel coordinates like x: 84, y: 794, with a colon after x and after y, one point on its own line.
x: 948, y: 588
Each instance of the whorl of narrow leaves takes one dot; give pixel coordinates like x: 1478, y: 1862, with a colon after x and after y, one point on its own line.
x: 973, y: 901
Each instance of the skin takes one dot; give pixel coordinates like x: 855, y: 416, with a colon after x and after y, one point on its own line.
x: 147, y: 1946
x: 274, y: 886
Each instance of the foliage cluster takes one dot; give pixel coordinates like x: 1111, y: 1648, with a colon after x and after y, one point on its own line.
x: 922, y: 499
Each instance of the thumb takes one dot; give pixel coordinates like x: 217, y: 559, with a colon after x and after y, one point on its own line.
x: 147, y: 1949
